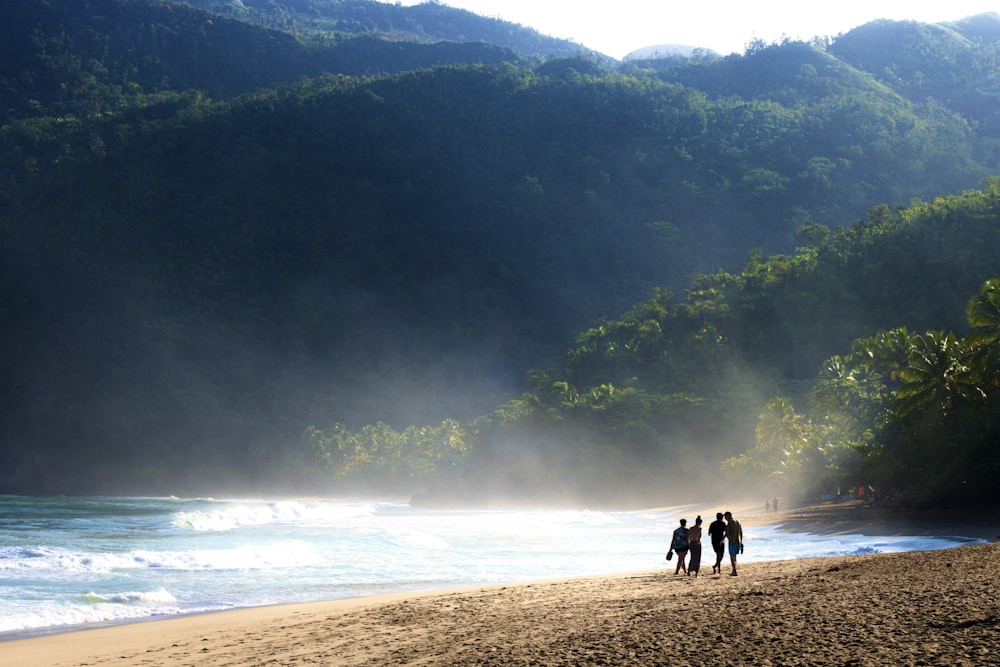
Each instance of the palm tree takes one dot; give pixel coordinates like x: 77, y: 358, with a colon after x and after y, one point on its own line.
x: 885, y: 352
x: 785, y: 452
x: 984, y: 346
x: 984, y: 341
x: 938, y: 378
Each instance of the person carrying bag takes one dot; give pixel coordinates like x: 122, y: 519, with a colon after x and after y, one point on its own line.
x: 679, y: 543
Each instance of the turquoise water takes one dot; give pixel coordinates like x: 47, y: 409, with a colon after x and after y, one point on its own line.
x: 71, y: 562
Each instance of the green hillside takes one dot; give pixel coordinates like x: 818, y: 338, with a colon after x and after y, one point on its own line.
x: 215, y: 234
x: 427, y: 22
x: 953, y: 64
x: 80, y: 58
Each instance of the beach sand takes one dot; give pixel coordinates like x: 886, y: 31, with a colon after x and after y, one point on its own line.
x: 919, y: 608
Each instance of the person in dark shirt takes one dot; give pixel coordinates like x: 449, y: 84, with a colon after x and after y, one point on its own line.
x: 717, y: 531
x: 679, y: 545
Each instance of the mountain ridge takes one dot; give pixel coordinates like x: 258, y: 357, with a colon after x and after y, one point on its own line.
x: 192, y: 277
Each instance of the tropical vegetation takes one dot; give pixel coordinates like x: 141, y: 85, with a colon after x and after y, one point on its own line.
x: 322, y: 245
x: 660, y: 395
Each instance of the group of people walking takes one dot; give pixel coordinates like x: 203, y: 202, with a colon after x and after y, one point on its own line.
x: 688, y: 541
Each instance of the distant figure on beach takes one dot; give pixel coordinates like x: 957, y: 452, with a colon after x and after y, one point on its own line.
x: 767, y: 505
x: 694, y: 546
x: 774, y: 504
x: 734, y: 533
x: 679, y: 545
x: 717, y: 531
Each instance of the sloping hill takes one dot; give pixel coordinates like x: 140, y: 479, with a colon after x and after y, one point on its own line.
x: 424, y: 22
x: 953, y: 63
x: 77, y: 58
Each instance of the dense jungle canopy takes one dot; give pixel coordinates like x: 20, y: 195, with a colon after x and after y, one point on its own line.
x: 329, y: 246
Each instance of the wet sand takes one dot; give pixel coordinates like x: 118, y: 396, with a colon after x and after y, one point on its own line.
x: 920, y: 608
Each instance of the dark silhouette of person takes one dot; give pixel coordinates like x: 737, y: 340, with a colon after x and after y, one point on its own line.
x: 679, y: 544
x: 717, y: 531
x: 694, y: 547
x: 734, y: 534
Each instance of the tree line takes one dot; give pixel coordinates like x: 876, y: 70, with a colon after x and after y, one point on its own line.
x: 672, y: 391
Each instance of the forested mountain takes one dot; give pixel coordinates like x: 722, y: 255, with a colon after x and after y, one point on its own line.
x: 213, y: 234
x: 60, y: 58
x: 953, y: 63
x: 426, y: 22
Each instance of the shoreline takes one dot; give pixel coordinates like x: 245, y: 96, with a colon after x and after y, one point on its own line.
x: 345, y: 631
x: 854, y: 517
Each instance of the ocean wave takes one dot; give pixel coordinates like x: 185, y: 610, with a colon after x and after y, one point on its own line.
x: 36, y: 558
x: 62, y: 562
x: 288, y: 554
x: 232, y: 516
x: 414, y: 539
x: 93, y: 608
x: 158, y: 597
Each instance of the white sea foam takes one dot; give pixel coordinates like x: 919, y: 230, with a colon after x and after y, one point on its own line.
x: 239, y: 514
x: 56, y: 614
x: 159, y: 596
x: 63, y: 563
x: 249, y: 557
x: 58, y: 559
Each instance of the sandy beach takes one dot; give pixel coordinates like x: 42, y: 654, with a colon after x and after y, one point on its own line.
x: 919, y: 608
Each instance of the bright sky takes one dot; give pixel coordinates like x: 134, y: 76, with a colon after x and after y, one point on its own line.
x: 618, y: 27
